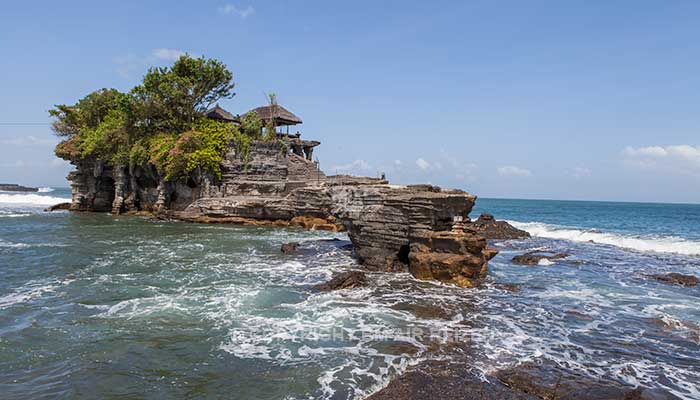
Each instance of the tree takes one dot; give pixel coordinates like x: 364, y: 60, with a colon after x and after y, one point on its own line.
x: 170, y: 99
x: 159, y: 122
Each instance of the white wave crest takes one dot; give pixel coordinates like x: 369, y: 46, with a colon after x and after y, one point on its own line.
x: 668, y: 244
x: 45, y: 190
x: 31, y: 199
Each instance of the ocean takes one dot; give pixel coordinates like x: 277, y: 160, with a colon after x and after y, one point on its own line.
x: 98, y: 306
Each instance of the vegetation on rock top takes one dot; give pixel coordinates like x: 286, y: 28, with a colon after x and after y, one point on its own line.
x: 160, y: 122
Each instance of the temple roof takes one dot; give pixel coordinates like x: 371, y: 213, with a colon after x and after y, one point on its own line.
x: 282, y: 116
x: 220, y: 114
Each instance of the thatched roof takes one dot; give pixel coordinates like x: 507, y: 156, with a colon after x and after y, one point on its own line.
x: 220, y: 114
x: 282, y: 116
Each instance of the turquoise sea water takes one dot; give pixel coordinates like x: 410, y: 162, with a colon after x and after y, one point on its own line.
x: 96, y: 306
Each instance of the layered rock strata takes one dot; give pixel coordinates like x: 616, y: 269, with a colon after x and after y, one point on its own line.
x: 392, y: 228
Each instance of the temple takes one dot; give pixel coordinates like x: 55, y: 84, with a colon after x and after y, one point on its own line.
x: 281, y: 118
x: 414, y: 228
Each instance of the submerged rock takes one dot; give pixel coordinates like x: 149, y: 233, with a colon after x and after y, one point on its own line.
x: 675, y: 278
x: 508, y: 287
x: 288, y: 248
x: 57, y: 207
x: 535, y: 257
x: 488, y: 227
x: 423, y: 311
x: 344, y: 280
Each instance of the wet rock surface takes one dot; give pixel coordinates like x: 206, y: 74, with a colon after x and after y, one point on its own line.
x: 675, y: 278
x: 530, y: 381
x: 289, y: 248
x: 344, y: 280
x: 546, y: 380
x: 508, y: 287
x: 423, y: 311
x: 535, y: 257
x: 58, y: 207
x: 487, y: 226
x: 446, y: 381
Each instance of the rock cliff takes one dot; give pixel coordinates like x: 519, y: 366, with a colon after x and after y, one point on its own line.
x: 393, y: 228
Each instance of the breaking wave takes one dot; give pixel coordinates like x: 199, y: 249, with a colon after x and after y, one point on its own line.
x: 30, y: 199
x: 665, y: 244
x: 45, y: 190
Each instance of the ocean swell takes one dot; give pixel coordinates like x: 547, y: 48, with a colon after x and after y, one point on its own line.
x: 666, y: 244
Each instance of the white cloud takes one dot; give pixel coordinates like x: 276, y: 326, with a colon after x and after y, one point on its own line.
x: 27, y: 141
x: 355, y: 166
x: 244, y: 13
x: 581, y: 172
x: 678, y: 158
x: 422, y: 164
x: 397, y: 163
x: 514, y: 171
x: 167, y: 54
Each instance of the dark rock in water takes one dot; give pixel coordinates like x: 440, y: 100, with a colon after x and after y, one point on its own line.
x: 59, y: 206
x: 289, y: 248
x: 547, y: 380
x: 509, y: 287
x: 675, y: 278
x: 446, y: 381
x: 423, y: 311
x: 488, y: 227
x: 344, y: 280
x: 12, y: 187
x: 534, y: 257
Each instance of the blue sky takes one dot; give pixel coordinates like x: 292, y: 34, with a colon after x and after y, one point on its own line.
x: 529, y: 99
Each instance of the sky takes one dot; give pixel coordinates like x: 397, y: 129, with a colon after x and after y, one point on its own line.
x: 589, y: 100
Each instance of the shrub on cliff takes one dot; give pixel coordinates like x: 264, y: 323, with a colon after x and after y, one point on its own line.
x: 159, y: 122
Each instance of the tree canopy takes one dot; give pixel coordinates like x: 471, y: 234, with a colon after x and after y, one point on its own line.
x: 160, y: 122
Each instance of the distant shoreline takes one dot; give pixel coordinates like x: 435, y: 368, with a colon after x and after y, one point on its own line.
x: 13, y: 187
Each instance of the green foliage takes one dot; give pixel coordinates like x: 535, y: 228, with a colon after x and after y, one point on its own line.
x: 161, y: 121
x: 201, y: 148
x: 251, y: 125
x: 171, y: 99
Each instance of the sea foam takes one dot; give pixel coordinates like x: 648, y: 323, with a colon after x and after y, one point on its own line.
x: 667, y: 244
x: 30, y: 199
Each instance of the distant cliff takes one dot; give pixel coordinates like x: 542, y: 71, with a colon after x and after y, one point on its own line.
x: 11, y: 187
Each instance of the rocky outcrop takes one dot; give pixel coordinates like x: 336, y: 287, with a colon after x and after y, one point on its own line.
x: 452, y: 257
x: 537, y: 257
x: 392, y: 228
x: 12, y: 187
x: 487, y: 226
x: 675, y: 278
